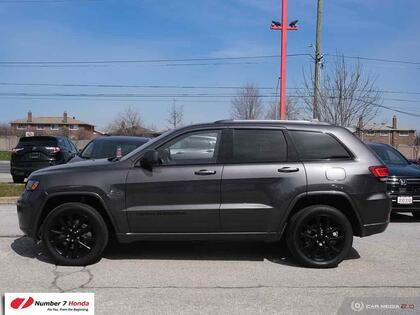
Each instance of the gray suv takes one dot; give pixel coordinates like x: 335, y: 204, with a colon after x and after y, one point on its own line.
x: 316, y: 184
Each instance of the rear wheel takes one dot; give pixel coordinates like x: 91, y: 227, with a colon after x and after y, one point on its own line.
x: 18, y: 179
x: 74, y: 234
x: 319, y: 236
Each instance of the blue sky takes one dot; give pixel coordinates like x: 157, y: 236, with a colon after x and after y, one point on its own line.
x: 174, y: 29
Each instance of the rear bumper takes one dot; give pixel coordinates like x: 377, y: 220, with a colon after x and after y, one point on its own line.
x: 374, y: 228
x: 23, y: 170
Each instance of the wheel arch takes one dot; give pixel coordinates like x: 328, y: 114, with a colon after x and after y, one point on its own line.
x: 337, y: 199
x: 92, y: 199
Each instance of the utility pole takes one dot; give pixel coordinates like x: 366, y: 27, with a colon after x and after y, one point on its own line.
x: 283, y: 27
x: 318, y: 61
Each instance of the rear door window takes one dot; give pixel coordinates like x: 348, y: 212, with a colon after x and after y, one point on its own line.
x: 318, y: 146
x: 258, y: 146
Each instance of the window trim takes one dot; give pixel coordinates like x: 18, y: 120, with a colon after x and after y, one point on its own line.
x: 21, y: 126
x: 351, y: 157
x: 40, y: 127
x: 383, y: 133
x: 402, y: 135
x: 370, y: 133
x: 76, y: 127
x: 54, y: 125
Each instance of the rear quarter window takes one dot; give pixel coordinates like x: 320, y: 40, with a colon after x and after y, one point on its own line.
x: 318, y: 146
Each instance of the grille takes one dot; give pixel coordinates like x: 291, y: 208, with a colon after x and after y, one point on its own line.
x: 404, y: 185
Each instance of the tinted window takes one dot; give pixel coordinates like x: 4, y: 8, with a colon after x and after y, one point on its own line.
x: 318, y: 146
x: 193, y: 148
x: 258, y: 145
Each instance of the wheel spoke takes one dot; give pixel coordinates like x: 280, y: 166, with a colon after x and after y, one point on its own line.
x: 84, y: 245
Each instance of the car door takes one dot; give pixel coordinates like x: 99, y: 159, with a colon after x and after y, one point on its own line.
x: 182, y: 194
x: 259, y: 181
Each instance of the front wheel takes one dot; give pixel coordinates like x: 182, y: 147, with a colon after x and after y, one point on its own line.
x: 74, y: 234
x: 319, y: 236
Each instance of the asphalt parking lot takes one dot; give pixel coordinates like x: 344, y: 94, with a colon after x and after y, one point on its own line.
x: 217, y: 278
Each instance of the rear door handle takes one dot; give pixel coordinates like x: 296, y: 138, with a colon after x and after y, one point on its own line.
x: 204, y: 172
x: 288, y: 169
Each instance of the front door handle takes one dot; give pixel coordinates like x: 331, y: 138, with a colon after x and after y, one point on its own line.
x: 288, y: 169
x: 204, y: 172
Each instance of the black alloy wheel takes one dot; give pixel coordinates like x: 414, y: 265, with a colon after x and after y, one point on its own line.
x: 319, y: 236
x: 74, y: 234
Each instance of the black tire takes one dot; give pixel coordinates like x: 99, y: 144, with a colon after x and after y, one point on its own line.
x: 18, y: 179
x: 319, y: 236
x: 74, y: 234
x: 416, y: 214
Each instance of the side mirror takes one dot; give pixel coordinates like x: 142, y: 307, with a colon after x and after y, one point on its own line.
x: 149, y: 159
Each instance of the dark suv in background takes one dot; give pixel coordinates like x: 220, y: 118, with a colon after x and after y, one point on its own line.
x: 316, y: 184
x: 403, y: 181
x: 34, y: 153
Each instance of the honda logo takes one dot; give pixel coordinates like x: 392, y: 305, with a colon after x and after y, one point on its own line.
x: 403, y: 182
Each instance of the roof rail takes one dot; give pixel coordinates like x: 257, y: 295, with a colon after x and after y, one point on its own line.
x: 313, y: 121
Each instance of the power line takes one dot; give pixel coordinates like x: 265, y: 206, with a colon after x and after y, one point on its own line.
x: 56, y: 62
x: 157, y: 86
x: 122, y: 61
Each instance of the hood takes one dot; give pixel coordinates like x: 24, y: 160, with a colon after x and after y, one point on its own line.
x: 73, y: 166
x: 410, y: 170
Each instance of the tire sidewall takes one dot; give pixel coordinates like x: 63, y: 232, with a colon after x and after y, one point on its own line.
x: 94, y: 217
x: 294, y: 229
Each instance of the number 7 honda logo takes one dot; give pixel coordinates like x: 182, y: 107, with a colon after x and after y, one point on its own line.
x: 21, y: 303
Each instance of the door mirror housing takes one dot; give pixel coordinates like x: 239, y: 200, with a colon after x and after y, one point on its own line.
x: 149, y: 159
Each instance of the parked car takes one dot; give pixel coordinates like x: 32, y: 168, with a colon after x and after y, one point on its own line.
x: 109, y: 147
x: 318, y: 184
x: 33, y: 153
x: 403, y: 181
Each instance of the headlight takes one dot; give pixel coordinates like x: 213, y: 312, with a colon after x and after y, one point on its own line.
x: 31, y: 185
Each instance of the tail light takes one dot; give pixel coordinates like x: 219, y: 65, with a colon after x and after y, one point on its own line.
x: 53, y: 149
x: 16, y: 150
x: 381, y: 172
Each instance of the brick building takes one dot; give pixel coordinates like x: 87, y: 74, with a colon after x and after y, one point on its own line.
x: 44, y: 126
x: 391, y: 135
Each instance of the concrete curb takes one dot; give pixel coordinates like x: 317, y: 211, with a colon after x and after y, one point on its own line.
x: 8, y: 200
x: 4, y: 162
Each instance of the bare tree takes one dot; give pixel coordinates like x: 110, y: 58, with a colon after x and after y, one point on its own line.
x: 293, y: 112
x: 247, y: 103
x: 176, y: 115
x: 348, y: 96
x: 127, y: 123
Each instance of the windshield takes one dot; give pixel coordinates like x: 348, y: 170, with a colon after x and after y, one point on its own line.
x: 106, y: 148
x: 389, y: 155
x: 150, y: 142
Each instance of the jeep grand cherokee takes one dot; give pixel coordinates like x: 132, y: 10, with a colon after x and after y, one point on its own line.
x: 317, y: 184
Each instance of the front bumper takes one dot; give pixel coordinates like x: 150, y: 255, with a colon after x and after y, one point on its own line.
x: 28, y: 208
x: 414, y: 207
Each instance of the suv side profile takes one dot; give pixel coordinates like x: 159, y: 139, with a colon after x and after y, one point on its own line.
x: 316, y: 184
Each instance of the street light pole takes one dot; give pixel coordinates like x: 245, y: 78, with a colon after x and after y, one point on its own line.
x: 283, y: 27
